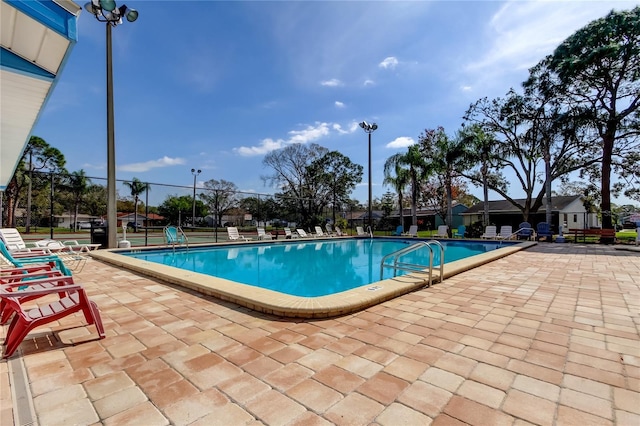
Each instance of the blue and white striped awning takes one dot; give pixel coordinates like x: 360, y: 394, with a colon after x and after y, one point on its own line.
x: 36, y: 38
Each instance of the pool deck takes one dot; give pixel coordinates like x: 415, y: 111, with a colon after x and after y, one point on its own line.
x: 549, y: 335
x: 285, y: 305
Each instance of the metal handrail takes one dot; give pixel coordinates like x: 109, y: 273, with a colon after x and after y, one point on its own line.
x: 179, y: 232
x: 412, y: 267
x: 516, y: 233
x: 370, y: 231
x: 439, y: 244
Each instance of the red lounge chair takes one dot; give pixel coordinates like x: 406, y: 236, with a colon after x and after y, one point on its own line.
x: 24, y: 321
x: 33, y: 280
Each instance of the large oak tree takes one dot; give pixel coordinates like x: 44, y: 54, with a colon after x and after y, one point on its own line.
x: 597, y: 69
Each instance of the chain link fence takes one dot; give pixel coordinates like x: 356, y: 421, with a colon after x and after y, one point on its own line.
x: 74, y: 208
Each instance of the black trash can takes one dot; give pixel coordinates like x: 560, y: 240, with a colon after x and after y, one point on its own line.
x: 99, y: 235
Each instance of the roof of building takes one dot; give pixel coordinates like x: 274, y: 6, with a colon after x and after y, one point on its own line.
x: 34, y: 48
x: 557, y: 203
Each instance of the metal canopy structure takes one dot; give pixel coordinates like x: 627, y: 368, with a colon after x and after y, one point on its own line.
x: 36, y: 38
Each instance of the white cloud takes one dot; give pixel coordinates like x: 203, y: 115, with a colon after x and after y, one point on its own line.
x: 389, y: 63
x: 266, y: 146
x: 334, y: 82
x: 401, y: 142
x: 310, y: 134
x: 369, y: 82
x: 152, y: 164
x: 338, y: 128
x: 466, y: 88
x: 94, y: 166
x: 307, y: 135
x: 339, y: 104
x: 354, y: 126
x: 523, y: 33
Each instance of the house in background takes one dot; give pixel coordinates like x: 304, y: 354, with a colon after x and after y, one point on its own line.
x: 568, y: 211
x: 150, y: 220
x: 361, y: 218
x: 84, y: 220
x: 430, y: 219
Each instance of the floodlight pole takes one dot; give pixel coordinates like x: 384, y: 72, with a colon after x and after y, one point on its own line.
x: 112, y: 216
x: 106, y: 11
x: 51, y: 205
x: 195, y: 174
x: 369, y: 128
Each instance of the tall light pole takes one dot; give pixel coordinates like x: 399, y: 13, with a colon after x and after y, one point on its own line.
x: 51, y: 169
x: 369, y: 128
x: 195, y: 174
x: 106, y: 11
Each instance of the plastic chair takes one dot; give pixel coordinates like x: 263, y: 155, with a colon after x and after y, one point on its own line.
x: 543, y: 230
x: 413, y: 231
x: 506, y: 231
x: 490, y: 232
x: 289, y: 235
x: 263, y: 235
x: 27, y: 259
x: 459, y: 233
x: 525, y: 231
x: 23, y: 322
x: 234, y: 234
x: 175, y: 236
x: 38, y: 280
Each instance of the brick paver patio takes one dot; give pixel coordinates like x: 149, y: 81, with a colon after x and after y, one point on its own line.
x: 545, y: 336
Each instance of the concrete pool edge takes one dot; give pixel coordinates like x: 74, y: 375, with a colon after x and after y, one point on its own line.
x: 280, y: 304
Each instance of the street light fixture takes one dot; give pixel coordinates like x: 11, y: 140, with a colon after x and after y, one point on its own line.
x: 195, y: 174
x: 106, y: 11
x: 369, y: 128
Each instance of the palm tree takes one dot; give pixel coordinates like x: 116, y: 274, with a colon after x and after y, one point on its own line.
x: 414, y: 170
x: 78, y: 186
x: 137, y: 187
x: 481, y: 145
x: 445, y: 157
x: 398, y: 177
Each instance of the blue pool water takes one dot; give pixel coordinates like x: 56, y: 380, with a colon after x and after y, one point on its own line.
x: 306, y: 268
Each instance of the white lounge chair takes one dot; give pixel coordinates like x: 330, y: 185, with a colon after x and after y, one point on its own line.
x: 234, y: 235
x: 490, y: 233
x: 360, y: 230
x: 81, y: 247
x: 319, y: 232
x: 302, y: 233
x: 443, y: 231
x: 506, y: 232
x: 53, y: 246
x: 15, y: 244
x: 339, y: 232
x: 289, y: 235
x: 262, y: 235
x: 413, y: 231
x: 330, y: 231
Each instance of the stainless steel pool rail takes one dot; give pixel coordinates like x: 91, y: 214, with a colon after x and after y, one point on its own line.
x: 412, y: 267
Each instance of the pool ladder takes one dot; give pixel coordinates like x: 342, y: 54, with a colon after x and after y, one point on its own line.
x: 396, y: 265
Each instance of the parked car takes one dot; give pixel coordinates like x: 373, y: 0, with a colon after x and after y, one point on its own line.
x: 133, y: 226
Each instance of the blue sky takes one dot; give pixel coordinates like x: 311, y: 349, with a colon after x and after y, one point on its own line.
x: 215, y: 85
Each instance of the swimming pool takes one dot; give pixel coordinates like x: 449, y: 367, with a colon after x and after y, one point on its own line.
x: 308, y: 268
x: 286, y: 305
